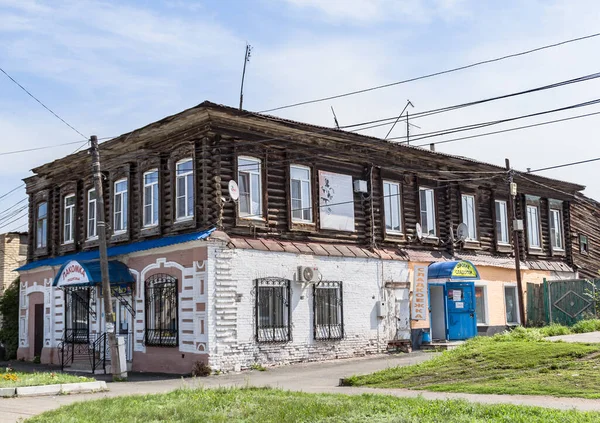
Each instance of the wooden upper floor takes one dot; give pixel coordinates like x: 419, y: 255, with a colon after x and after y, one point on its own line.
x: 296, y: 182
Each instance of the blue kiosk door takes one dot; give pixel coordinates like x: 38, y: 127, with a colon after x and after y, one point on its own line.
x: 460, y: 299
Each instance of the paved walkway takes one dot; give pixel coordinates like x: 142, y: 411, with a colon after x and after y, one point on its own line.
x: 588, y: 338
x: 308, y: 377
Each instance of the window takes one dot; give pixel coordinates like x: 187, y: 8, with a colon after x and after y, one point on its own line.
x: 427, y: 202
x: 185, y: 189
x: 481, y: 305
x: 120, y: 204
x: 92, y: 231
x: 533, y: 227
x: 161, y: 311
x: 468, y: 215
x: 391, y: 201
x: 69, y: 218
x: 249, y: 175
x: 328, y: 320
x: 502, y: 222
x: 300, y: 194
x: 272, y: 310
x: 583, y: 244
x: 42, y: 225
x: 151, y: 198
x: 512, y: 305
x: 556, y: 239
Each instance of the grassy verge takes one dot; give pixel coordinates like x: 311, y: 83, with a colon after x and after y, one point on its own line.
x: 266, y: 406
x: 506, y: 364
x: 9, y: 379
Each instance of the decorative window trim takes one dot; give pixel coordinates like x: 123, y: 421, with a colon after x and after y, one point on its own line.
x: 69, y: 211
x: 250, y: 215
x: 124, y: 221
x: 272, y: 295
x: 94, y: 207
x: 168, y: 291
x: 334, y: 328
x: 184, y: 175
x: 304, y: 203
x: 389, y: 201
x: 154, y: 203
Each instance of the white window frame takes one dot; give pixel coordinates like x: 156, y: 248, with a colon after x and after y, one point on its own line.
x: 188, y: 178
x: 469, y: 215
x: 503, y: 219
x: 245, y: 214
x: 41, y: 242
x: 388, y: 200
x: 553, y: 212
x: 530, y: 227
x: 92, y: 205
x: 154, y: 202
x: 69, y: 211
x: 123, y: 200
x: 305, y: 203
x: 431, y: 218
x: 512, y: 286
x: 486, y: 307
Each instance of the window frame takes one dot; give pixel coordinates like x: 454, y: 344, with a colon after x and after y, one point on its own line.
x: 506, y: 223
x: 433, y: 212
x: 44, y: 221
x: 124, y: 202
x: 89, y: 201
x: 184, y: 175
x: 329, y: 330
x: 169, y: 285
x: 271, y: 332
x: 551, y: 212
x: 581, y: 243
x: 250, y: 215
x: 537, y: 227
x: 464, y: 196
x: 486, y: 309
x: 512, y: 286
x: 71, y: 214
x: 154, y: 203
x: 385, y: 207
x: 303, y: 203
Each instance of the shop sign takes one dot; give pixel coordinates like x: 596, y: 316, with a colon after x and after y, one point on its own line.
x: 420, y: 306
x: 464, y: 269
x: 73, y: 274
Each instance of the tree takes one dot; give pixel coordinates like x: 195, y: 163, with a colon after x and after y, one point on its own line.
x: 9, y: 310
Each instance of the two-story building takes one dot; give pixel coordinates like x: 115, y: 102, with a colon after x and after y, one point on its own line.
x: 308, y: 256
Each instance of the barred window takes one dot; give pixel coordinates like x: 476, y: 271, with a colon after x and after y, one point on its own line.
x: 272, y: 310
x: 328, y: 315
x: 78, y: 308
x: 161, y: 311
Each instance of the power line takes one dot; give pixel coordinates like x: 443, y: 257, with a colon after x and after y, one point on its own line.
x: 564, y: 165
x: 42, y: 104
x: 11, y: 191
x: 6, y: 153
x: 432, y: 74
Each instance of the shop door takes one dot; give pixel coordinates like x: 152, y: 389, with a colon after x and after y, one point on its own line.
x: 462, y: 323
x: 38, y: 336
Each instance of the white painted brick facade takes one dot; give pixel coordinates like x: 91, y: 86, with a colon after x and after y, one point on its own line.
x: 231, y: 324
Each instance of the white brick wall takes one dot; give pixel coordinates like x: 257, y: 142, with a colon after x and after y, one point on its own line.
x: 231, y: 273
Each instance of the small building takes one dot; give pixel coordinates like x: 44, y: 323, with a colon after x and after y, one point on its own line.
x: 313, y: 261
x: 13, y: 253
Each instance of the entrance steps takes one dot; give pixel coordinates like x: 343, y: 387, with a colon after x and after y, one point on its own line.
x: 441, y: 345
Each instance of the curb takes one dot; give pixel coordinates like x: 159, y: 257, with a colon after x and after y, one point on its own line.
x: 65, y: 388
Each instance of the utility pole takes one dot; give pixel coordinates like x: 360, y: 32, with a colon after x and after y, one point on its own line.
x: 512, y: 190
x: 246, y: 60
x: 109, y: 316
x: 407, y: 129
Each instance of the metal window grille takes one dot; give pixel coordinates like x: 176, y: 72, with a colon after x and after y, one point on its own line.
x: 78, y: 309
x: 328, y: 311
x: 161, y: 311
x: 272, y: 310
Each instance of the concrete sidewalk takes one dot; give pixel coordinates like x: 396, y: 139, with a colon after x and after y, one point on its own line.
x: 309, y: 377
x: 587, y: 338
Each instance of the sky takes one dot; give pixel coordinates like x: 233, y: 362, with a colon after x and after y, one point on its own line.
x: 110, y: 67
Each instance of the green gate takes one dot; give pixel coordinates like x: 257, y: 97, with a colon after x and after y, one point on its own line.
x: 568, y: 301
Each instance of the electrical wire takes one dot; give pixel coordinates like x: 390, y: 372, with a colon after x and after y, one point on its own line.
x: 483, y: 62
x: 11, y: 191
x: 564, y: 165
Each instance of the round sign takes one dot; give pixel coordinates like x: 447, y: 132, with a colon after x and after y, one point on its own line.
x: 234, y: 191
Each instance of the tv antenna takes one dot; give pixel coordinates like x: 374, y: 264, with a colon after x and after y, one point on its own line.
x: 408, y: 102
x: 337, y: 125
x: 246, y: 60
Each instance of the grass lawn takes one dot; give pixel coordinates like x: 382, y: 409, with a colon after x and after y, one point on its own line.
x: 267, y: 405
x: 17, y: 379
x: 501, y: 365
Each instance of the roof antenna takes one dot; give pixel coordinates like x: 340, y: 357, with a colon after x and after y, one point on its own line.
x: 337, y: 125
x: 246, y: 60
x: 398, y: 118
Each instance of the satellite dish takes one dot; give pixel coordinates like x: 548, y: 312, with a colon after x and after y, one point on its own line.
x: 462, y: 232
x: 419, y: 231
x: 234, y: 191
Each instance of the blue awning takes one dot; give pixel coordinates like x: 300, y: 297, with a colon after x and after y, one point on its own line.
x: 82, y: 273
x: 453, y: 270
x: 119, y: 249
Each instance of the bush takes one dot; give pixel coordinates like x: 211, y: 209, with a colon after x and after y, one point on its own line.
x: 9, y: 309
x: 519, y: 333
x: 584, y: 326
x: 201, y: 369
x: 555, y: 329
